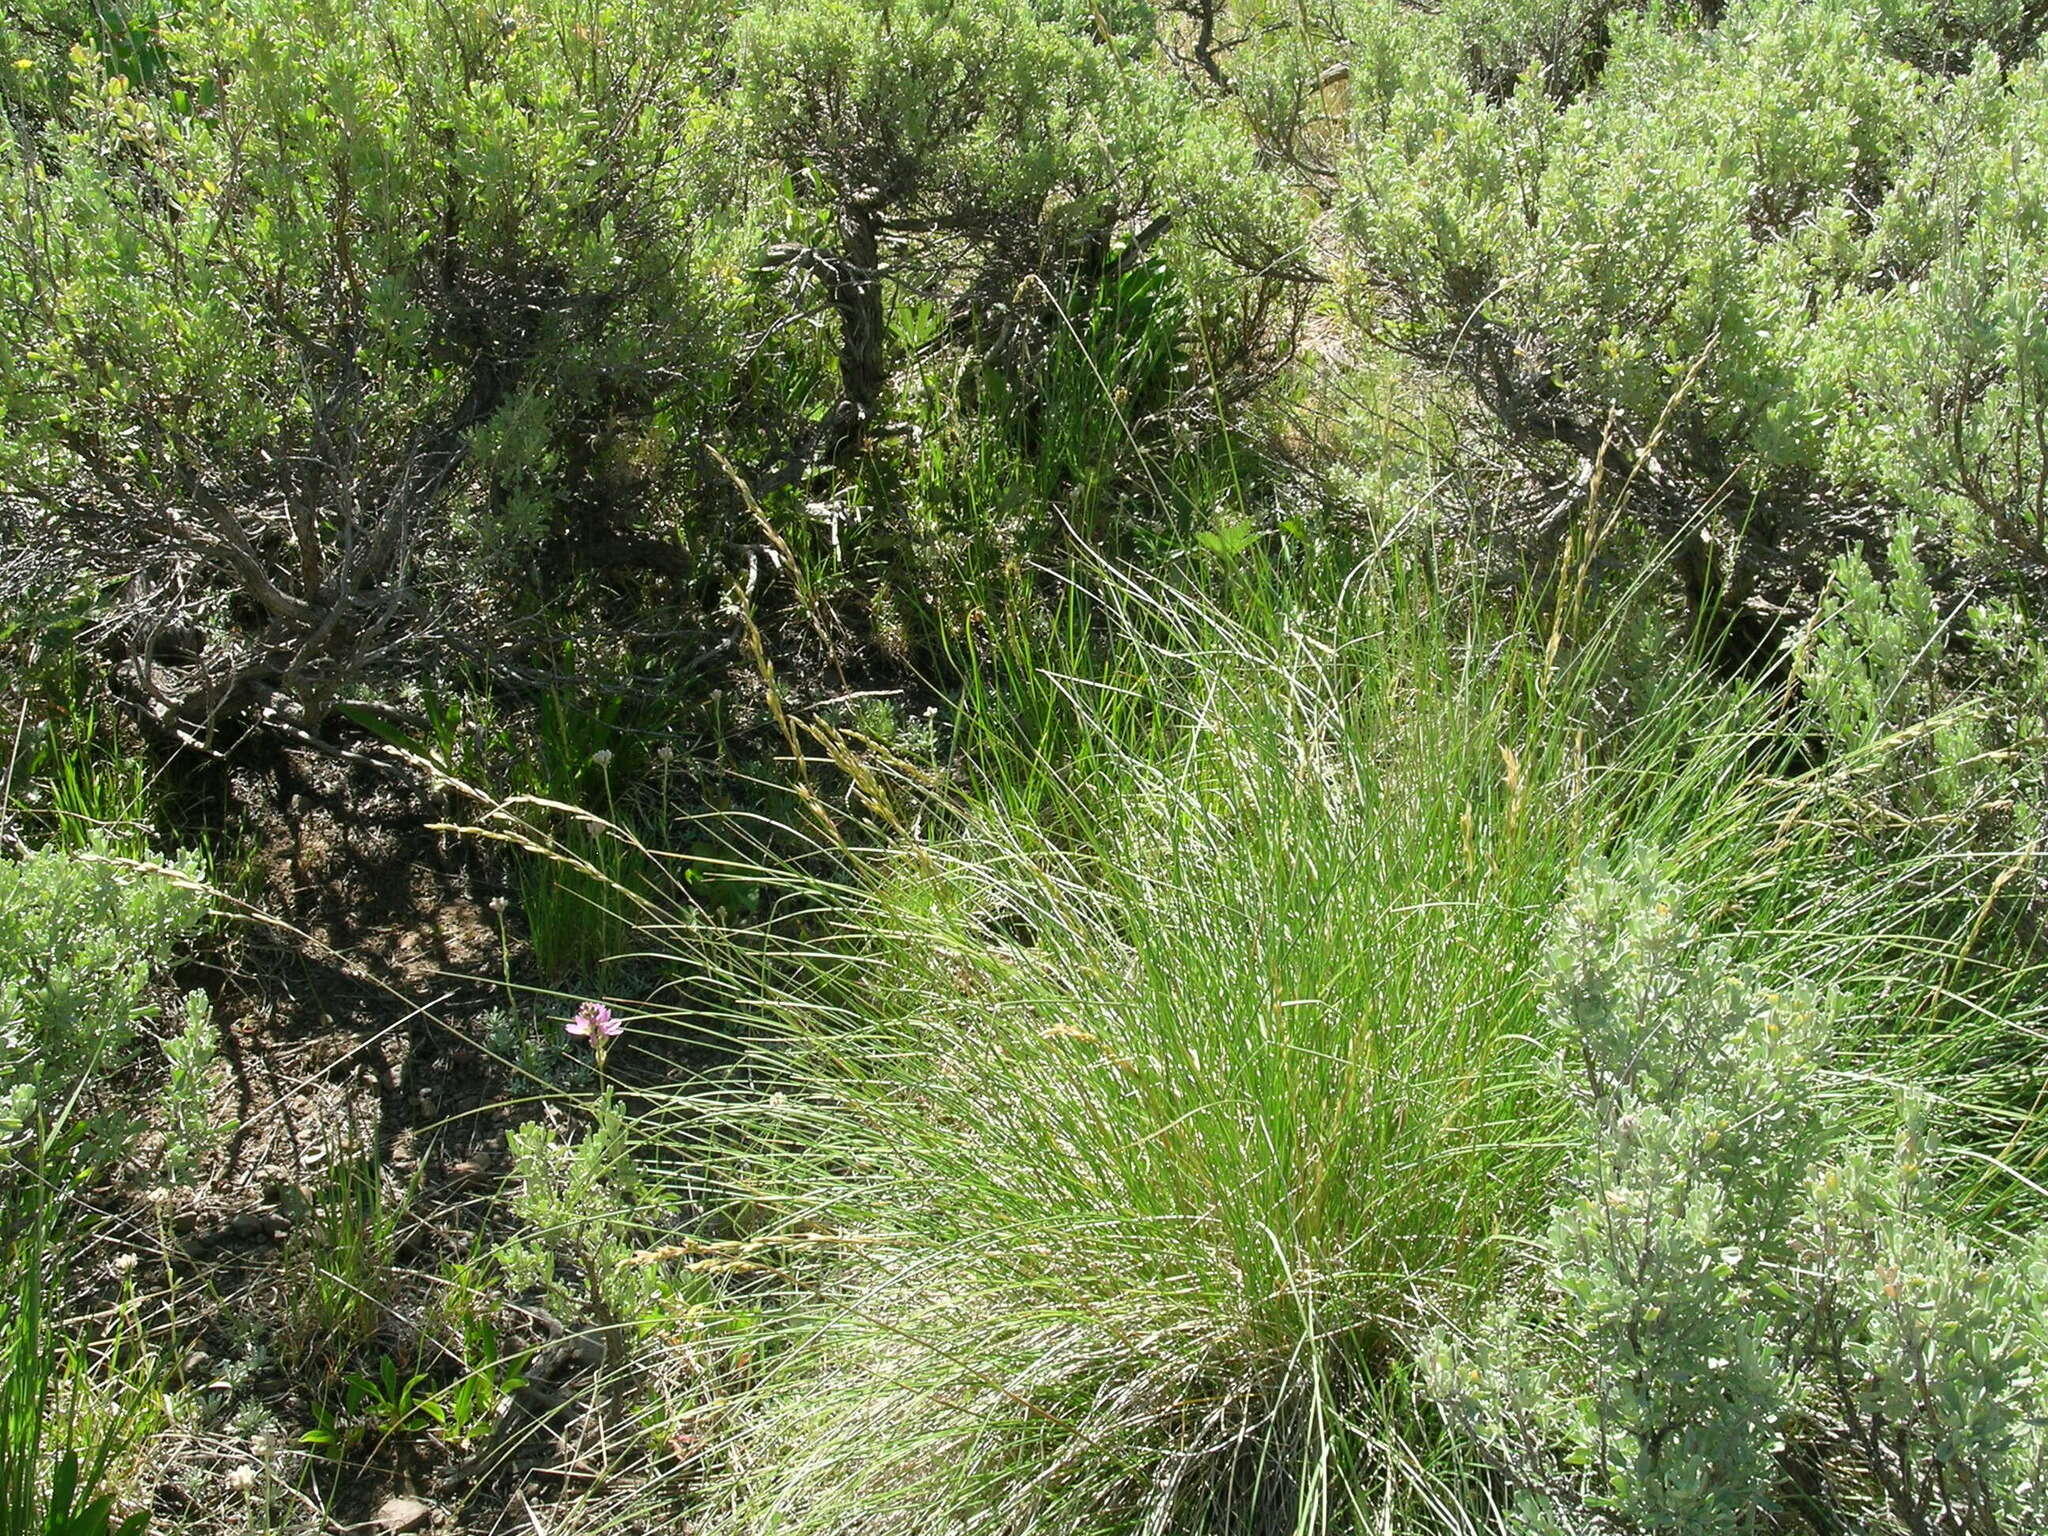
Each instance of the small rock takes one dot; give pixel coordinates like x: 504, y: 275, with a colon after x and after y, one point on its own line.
x: 566, y: 1357
x: 260, y: 1224
x: 401, y: 1515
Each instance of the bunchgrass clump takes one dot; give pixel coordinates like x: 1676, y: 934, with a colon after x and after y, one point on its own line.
x: 1165, y: 1102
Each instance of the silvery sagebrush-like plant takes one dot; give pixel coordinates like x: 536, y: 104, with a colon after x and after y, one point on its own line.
x: 192, y: 1128
x: 80, y: 936
x: 1743, y: 1322
x: 587, y: 1214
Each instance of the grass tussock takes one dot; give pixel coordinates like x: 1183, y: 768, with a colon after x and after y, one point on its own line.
x: 1184, y: 1081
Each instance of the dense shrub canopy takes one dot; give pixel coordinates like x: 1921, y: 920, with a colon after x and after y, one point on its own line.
x: 319, y: 320
x: 332, y: 292
x: 1780, y: 266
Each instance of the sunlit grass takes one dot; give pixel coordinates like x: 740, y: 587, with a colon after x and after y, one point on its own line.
x: 1154, y: 1107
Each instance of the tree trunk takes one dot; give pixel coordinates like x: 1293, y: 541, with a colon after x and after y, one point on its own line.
x: 856, y: 284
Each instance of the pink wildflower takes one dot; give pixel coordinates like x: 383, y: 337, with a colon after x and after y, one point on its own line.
x: 594, y: 1019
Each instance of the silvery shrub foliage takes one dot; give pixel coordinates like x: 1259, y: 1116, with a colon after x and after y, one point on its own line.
x: 83, y: 936
x: 1743, y: 1320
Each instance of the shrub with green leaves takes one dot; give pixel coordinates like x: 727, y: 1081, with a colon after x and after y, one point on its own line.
x: 1934, y: 714
x: 1773, y: 275
x: 80, y: 938
x: 335, y: 305
x: 585, y: 1211
x: 1046, y: 268
x: 1005, y: 162
x: 320, y: 323
x: 1745, y: 1321
x: 190, y: 1126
